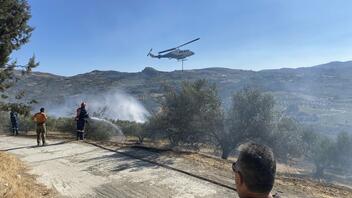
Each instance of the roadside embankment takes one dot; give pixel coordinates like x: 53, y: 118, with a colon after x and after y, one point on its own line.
x: 15, y: 182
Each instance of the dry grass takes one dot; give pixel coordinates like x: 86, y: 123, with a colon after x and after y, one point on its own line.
x: 313, y: 188
x: 16, y: 183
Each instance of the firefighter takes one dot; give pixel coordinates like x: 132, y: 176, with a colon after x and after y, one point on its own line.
x: 14, y: 122
x: 40, y: 118
x: 81, y: 119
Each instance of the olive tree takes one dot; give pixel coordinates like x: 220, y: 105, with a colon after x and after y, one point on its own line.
x: 186, y: 114
x: 328, y: 153
x: 249, y: 118
x: 286, y: 139
x: 343, y: 148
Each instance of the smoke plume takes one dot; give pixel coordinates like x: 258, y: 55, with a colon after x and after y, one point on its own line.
x: 111, y: 105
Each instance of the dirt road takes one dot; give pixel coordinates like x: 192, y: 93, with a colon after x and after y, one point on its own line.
x: 82, y: 170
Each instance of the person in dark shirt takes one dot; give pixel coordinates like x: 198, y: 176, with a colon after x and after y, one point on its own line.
x: 14, y: 122
x: 81, y: 119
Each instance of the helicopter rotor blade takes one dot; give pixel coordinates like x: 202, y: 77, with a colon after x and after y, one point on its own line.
x: 179, y: 46
x: 167, y: 50
x: 188, y: 42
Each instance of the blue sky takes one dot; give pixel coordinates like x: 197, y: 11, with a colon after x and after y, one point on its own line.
x: 77, y: 36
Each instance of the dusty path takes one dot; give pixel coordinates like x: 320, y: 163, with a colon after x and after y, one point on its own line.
x: 83, y: 170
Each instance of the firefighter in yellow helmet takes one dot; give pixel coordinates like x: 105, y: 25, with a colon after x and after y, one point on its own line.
x: 40, y: 118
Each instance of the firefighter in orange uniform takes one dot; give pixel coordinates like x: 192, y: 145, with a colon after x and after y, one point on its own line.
x: 40, y: 118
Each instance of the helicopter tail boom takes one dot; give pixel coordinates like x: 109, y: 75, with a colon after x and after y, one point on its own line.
x: 152, y: 55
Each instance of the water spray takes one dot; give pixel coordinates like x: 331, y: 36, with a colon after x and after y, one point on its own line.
x: 113, y: 105
x: 118, y: 134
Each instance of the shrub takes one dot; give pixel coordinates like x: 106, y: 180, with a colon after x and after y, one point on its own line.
x: 26, y: 124
x: 65, y: 125
x: 100, y: 129
x: 51, y: 124
x: 4, y: 121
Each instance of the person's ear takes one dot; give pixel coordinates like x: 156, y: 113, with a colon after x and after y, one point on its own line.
x: 240, y: 178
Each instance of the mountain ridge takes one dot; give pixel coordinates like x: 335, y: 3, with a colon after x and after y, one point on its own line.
x: 328, y: 64
x: 320, y: 96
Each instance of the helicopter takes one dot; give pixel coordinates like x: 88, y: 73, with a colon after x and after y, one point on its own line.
x: 174, y: 53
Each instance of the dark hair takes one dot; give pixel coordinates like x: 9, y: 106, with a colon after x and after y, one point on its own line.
x: 257, y: 165
x: 42, y: 109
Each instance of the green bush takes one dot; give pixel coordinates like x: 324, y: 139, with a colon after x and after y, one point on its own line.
x: 65, y: 125
x: 51, y: 124
x: 26, y: 124
x: 4, y: 121
x: 100, y: 130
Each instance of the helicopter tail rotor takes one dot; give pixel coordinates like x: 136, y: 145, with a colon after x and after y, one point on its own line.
x: 149, y: 51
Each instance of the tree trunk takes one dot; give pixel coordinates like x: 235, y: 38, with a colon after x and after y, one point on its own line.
x: 172, y: 141
x: 140, y: 139
x: 319, y: 172
x: 225, y: 152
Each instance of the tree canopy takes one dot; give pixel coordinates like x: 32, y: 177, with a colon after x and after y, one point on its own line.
x: 14, y: 32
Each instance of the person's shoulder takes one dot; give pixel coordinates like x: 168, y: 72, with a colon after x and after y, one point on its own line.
x: 40, y: 114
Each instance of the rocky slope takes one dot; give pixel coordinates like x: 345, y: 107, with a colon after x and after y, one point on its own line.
x: 320, y: 96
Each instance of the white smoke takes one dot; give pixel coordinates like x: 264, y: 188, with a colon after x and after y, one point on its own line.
x: 112, y: 105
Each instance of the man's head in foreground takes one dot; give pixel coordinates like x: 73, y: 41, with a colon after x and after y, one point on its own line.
x: 254, y: 171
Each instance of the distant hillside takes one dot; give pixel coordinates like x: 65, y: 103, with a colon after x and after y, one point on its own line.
x: 320, y: 96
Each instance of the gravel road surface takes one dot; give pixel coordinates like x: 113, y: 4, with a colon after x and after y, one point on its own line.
x: 77, y: 169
